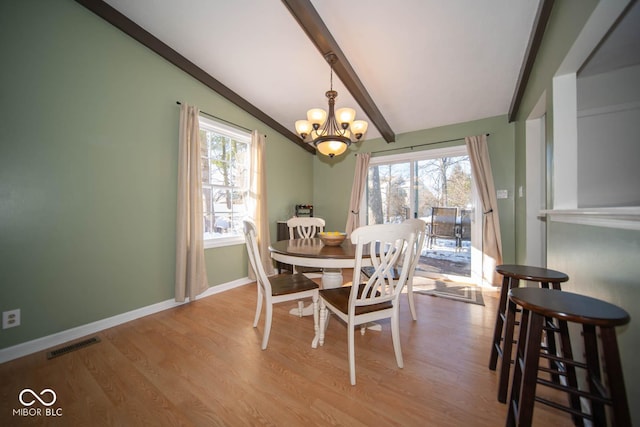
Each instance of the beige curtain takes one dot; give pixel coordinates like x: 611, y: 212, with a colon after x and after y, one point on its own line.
x: 191, y: 273
x: 357, y: 189
x: 491, y: 239
x: 258, y: 201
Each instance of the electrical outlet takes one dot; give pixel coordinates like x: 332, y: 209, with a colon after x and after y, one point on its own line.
x: 10, y: 318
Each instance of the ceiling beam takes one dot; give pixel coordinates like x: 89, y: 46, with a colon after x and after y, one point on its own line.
x: 310, y: 21
x: 535, y: 40
x: 126, y: 25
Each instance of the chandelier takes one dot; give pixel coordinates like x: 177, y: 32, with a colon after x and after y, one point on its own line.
x: 331, y: 133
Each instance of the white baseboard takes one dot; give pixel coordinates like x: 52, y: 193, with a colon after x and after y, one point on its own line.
x: 56, y: 339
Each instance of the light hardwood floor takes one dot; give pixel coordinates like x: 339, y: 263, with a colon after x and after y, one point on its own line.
x: 201, y: 364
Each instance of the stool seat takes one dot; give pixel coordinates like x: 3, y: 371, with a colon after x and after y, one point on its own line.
x: 504, y: 327
x: 570, y: 307
x: 604, y: 383
x: 534, y: 274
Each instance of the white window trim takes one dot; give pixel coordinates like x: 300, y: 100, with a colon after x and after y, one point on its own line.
x: 241, y: 136
x: 219, y: 242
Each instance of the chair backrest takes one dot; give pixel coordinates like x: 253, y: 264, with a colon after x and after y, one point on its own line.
x: 251, y: 241
x: 391, y: 246
x: 304, y: 227
x: 465, y: 224
x: 420, y: 228
x: 443, y: 222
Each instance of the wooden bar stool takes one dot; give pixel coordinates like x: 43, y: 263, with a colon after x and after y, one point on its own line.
x: 504, y: 328
x: 538, y: 304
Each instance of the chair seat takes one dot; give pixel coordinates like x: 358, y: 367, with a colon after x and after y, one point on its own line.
x: 283, y: 284
x: 339, y: 298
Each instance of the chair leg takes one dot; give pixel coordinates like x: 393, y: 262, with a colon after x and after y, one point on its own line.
x: 316, y: 327
x: 323, y: 321
x: 352, y: 358
x: 267, y: 325
x: 258, y: 307
x: 300, y: 307
x: 395, y: 336
x: 412, y: 304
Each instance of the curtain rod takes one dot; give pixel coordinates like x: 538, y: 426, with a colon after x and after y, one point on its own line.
x: 221, y: 119
x: 411, y: 147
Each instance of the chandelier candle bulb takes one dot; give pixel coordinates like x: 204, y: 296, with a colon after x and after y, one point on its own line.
x: 359, y: 127
x: 345, y: 116
x: 303, y: 127
x: 317, y: 117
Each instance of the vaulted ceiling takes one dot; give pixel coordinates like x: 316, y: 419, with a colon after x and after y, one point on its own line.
x: 423, y: 63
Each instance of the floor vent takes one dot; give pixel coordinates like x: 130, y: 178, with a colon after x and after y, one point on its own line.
x: 72, y: 347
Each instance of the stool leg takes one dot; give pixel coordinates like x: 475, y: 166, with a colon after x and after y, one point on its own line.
x: 507, y: 345
x: 523, y: 389
x: 497, y: 329
x: 552, y: 349
x: 507, y: 284
x: 593, y: 372
x: 614, y: 375
x: 569, y: 370
x: 550, y: 336
x: 517, y: 371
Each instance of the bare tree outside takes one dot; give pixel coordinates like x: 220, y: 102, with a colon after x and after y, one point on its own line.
x: 440, y: 173
x: 388, y: 193
x: 375, y: 197
x: 413, y: 187
x: 223, y: 175
x: 459, y: 188
x: 442, y: 182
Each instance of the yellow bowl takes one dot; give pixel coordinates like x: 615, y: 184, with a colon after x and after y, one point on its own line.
x: 332, y: 238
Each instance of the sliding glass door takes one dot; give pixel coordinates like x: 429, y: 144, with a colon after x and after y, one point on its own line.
x: 436, y: 186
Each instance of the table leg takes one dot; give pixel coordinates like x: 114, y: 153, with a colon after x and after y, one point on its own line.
x: 332, y: 278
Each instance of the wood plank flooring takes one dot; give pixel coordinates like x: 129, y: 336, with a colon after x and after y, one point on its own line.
x: 201, y: 365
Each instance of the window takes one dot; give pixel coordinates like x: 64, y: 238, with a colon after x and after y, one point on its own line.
x: 225, y: 155
x: 440, y: 178
x: 409, y: 185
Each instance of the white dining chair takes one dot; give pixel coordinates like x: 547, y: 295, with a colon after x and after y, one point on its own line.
x: 278, y: 288
x: 376, y: 297
x: 302, y: 227
x: 305, y: 228
x: 420, y: 227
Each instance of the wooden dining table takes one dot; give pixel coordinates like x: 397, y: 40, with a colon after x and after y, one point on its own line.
x: 313, y: 253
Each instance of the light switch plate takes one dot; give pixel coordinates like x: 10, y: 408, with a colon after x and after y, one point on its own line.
x: 502, y: 194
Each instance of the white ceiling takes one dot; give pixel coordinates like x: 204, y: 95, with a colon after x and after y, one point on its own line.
x: 425, y: 63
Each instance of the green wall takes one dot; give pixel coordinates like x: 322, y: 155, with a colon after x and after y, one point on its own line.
x: 88, y: 164
x: 333, y: 177
x: 601, y: 262
x: 88, y: 155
